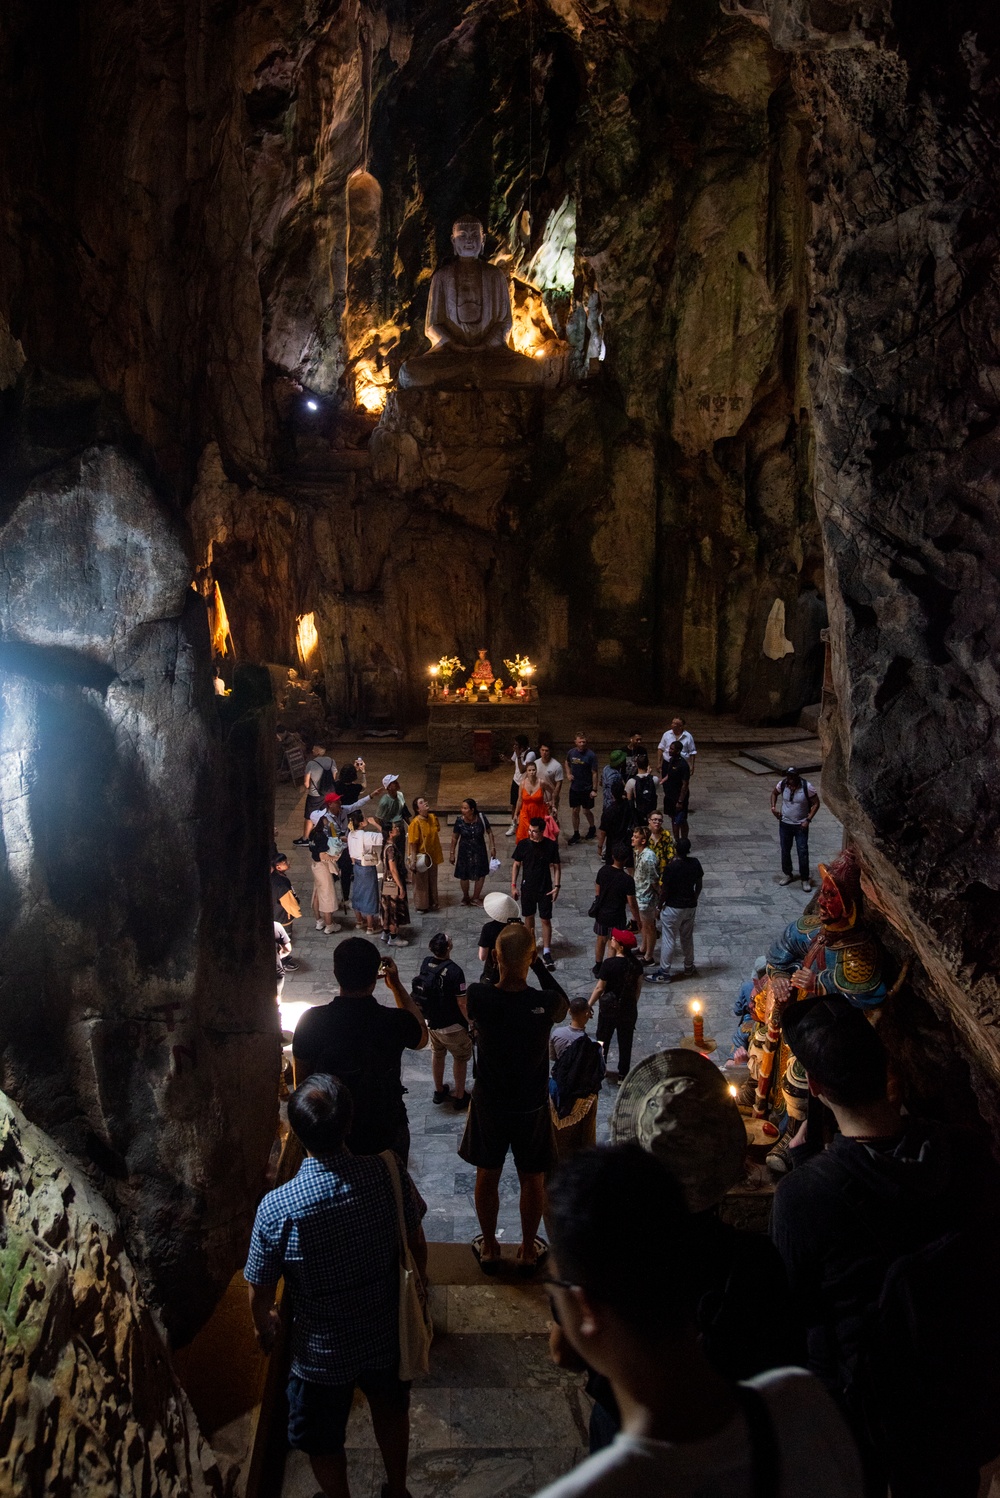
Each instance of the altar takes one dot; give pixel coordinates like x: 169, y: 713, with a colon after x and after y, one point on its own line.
x: 453, y: 721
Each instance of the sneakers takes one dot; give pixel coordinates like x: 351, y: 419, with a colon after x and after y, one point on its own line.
x: 289, y: 966
x: 332, y: 930
x: 300, y: 842
x: 574, y: 839
x: 443, y: 1095
x: 807, y: 884
x: 548, y: 958
x: 657, y: 976
x: 689, y: 972
x: 591, y: 832
x: 778, y: 1159
x: 460, y: 1104
x: 397, y: 941
x: 320, y: 926
x: 785, y: 879
x: 510, y: 830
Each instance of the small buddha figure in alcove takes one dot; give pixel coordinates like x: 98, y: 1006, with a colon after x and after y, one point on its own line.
x: 468, y: 323
x: 482, y: 671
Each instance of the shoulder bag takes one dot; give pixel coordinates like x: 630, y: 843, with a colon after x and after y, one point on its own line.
x: 415, y: 1327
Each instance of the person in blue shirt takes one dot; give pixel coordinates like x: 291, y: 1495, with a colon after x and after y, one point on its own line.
x: 333, y: 1233
x: 581, y: 767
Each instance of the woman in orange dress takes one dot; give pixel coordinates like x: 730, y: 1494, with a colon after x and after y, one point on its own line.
x: 533, y: 800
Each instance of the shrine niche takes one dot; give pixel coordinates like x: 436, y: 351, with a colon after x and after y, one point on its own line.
x: 475, y: 719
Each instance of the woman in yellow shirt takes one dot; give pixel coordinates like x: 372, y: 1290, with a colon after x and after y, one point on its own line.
x: 424, y: 837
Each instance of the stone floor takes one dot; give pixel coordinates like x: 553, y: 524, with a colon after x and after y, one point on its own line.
x: 742, y: 908
x: 494, y: 1419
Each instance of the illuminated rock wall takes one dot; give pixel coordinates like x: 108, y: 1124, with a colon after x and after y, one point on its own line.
x: 137, y: 1015
x: 244, y: 215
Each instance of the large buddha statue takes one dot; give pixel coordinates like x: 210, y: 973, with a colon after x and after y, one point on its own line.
x: 468, y: 322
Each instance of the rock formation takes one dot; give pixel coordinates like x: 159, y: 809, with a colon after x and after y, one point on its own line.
x: 91, y: 1407
x: 137, y: 1016
x: 904, y: 178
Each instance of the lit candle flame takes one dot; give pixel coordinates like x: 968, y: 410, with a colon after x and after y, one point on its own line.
x: 434, y: 670
x: 732, y: 1090
x: 695, y: 1006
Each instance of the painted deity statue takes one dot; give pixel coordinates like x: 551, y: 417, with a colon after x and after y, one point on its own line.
x: 482, y: 670
x: 468, y: 323
x: 831, y: 951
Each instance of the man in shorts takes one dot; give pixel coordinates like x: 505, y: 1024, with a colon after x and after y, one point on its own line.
x: 332, y: 1232
x: 510, y: 1099
x: 536, y: 859
x: 319, y: 777
x: 581, y: 767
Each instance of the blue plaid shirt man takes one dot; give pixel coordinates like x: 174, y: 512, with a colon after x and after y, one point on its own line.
x: 333, y: 1233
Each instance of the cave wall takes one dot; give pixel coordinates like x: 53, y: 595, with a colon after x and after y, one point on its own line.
x: 137, y: 1015
x: 90, y: 1402
x: 216, y: 217
x: 904, y: 179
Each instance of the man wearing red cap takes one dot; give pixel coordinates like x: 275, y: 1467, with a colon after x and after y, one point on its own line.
x: 616, y: 993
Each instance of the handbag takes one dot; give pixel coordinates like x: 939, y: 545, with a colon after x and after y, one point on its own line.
x: 415, y: 1327
x: 595, y: 906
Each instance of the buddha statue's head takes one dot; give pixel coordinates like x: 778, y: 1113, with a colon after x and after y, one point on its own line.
x: 467, y: 238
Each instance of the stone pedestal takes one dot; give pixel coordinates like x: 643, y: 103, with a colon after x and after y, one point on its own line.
x: 464, y: 439
x: 453, y: 721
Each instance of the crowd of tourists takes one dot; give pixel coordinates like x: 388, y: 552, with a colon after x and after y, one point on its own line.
x: 718, y: 1362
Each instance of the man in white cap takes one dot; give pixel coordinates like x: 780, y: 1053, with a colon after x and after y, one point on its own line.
x: 391, y: 805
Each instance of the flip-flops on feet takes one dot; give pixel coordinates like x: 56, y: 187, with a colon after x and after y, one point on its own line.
x: 488, y: 1266
x: 527, y: 1267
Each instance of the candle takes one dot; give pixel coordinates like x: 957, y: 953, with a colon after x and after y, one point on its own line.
x: 699, y: 1023
x: 732, y: 1090
x: 483, y: 687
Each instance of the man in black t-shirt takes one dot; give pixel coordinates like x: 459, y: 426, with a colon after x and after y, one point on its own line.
x: 616, y: 994
x: 437, y: 990
x: 536, y: 859
x: 676, y: 783
x: 361, y: 1042
x: 510, y: 1100
x: 614, y: 893
x: 680, y: 887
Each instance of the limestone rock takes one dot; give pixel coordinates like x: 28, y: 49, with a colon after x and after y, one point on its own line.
x: 137, y: 1015
x: 92, y: 1408
x: 904, y: 178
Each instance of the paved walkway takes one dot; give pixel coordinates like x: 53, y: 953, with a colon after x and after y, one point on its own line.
x: 742, y: 908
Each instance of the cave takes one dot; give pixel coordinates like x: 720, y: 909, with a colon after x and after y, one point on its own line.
x: 747, y: 473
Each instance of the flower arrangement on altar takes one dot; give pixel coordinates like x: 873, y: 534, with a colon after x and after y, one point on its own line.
x: 443, y: 670
x: 521, y: 671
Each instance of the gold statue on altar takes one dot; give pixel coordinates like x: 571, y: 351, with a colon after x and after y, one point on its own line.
x: 482, y: 671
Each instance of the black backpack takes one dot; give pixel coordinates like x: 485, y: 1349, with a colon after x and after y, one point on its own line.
x: 927, y: 1379
x: 325, y: 779
x: 578, y: 1072
x: 429, y: 996
x: 645, y: 796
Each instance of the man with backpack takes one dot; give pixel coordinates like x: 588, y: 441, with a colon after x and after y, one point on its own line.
x: 436, y: 989
x: 359, y: 1040
x: 321, y: 772
x: 641, y: 789
x: 860, y: 1226
x: 577, y: 1073
x: 625, y: 1288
